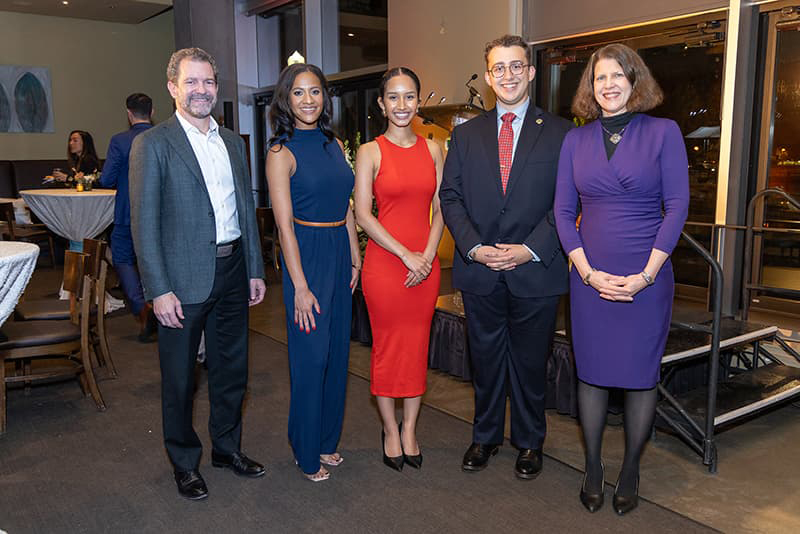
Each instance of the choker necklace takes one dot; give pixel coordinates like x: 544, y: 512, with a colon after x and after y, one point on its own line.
x: 614, y: 137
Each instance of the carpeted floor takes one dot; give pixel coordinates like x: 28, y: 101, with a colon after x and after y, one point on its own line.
x: 64, y: 467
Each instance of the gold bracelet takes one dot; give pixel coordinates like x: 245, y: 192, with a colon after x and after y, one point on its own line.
x: 588, y: 275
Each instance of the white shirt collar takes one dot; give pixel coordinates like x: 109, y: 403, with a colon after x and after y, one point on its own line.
x: 187, y: 126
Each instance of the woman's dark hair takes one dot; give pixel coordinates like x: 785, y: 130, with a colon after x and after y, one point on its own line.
x: 280, y: 113
x: 397, y: 71
x: 645, y: 92
x: 87, y: 158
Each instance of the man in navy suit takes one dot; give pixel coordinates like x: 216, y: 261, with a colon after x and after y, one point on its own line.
x: 115, y: 175
x: 497, y: 199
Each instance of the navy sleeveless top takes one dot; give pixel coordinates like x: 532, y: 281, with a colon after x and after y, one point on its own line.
x: 323, y: 180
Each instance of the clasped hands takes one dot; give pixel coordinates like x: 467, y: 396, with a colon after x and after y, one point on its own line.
x: 501, y: 256
x: 615, y: 287
x: 419, y: 267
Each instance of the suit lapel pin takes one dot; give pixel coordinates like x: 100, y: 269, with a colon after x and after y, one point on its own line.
x: 539, y: 121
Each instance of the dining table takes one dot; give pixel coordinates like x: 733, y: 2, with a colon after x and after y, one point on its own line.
x: 74, y: 215
x: 70, y: 213
x: 17, y: 261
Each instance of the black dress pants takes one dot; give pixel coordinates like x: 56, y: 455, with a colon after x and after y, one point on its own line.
x: 510, y: 340
x: 223, y: 317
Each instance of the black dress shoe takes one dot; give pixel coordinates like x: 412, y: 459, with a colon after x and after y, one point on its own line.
x: 238, y: 463
x: 191, y: 485
x: 477, y: 456
x: 414, y: 460
x: 592, y: 501
x: 395, y: 462
x: 625, y: 503
x: 529, y: 464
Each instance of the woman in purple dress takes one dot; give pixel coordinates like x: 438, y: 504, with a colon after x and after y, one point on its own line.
x: 627, y: 175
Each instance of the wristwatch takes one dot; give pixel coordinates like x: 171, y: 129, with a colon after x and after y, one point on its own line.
x: 647, y: 278
x: 588, y: 275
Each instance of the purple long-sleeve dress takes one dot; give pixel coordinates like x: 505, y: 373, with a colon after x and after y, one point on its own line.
x: 620, y: 344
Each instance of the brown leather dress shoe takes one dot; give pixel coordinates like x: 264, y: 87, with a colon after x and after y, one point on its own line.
x: 238, y: 463
x: 191, y: 485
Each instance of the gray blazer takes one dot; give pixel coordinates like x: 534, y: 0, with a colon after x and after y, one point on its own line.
x: 172, y: 220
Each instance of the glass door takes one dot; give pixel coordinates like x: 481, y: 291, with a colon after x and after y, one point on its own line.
x: 776, y: 259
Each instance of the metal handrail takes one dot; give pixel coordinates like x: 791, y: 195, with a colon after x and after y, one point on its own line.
x: 709, y: 454
x: 747, y: 285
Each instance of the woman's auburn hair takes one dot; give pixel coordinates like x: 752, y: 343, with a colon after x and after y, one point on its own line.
x: 645, y: 93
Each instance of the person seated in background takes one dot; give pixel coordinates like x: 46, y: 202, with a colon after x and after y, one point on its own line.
x: 115, y: 175
x: 81, y: 157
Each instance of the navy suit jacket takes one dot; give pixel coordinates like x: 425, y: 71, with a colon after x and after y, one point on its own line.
x: 115, y: 171
x: 476, y: 210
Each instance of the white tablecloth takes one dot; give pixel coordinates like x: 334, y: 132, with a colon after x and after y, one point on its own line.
x: 72, y: 214
x: 21, y: 213
x: 17, y: 260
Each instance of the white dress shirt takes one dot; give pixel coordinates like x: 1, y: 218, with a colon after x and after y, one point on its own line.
x: 212, y: 155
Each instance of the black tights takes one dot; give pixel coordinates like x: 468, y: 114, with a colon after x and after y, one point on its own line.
x: 640, y: 409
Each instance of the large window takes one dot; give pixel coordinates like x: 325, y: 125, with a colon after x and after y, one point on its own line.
x: 687, y: 62
x: 778, y: 255
x: 363, y: 34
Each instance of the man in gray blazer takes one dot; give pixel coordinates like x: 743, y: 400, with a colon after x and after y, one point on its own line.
x: 194, y: 230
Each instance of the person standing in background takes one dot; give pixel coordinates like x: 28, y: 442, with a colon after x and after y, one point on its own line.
x: 115, y: 176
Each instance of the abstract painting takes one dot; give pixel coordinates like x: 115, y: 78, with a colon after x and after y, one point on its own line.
x: 26, y: 100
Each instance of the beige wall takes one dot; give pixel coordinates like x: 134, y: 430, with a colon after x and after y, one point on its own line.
x: 94, y: 66
x: 445, y: 61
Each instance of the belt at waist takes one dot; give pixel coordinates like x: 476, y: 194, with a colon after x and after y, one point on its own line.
x: 226, y: 249
x: 320, y: 224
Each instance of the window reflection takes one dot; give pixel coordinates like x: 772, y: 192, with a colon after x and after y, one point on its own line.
x: 781, y: 251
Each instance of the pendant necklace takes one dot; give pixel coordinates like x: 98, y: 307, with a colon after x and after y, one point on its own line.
x: 614, y: 137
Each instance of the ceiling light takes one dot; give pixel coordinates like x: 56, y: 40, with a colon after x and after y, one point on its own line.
x: 351, y: 35
x: 65, y: 2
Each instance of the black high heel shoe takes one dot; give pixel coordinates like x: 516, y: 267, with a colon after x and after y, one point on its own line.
x: 415, y: 460
x: 395, y: 462
x: 593, y: 501
x: 625, y: 503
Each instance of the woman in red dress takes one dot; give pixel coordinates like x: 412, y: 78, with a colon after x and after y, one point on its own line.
x: 400, y: 277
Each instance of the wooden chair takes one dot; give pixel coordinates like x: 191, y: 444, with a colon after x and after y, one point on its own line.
x: 99, y: 272
x: 65, y: 341
x: 32, y: 233
x: 268, y: 232
x: 50, y: 309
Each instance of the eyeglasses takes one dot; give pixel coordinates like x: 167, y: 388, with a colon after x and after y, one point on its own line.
x: 499, y: 70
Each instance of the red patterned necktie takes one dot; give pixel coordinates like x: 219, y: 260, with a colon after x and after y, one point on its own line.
x: 505, y: 144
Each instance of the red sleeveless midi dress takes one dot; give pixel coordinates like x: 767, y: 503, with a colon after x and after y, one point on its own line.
x: 400, y: 317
